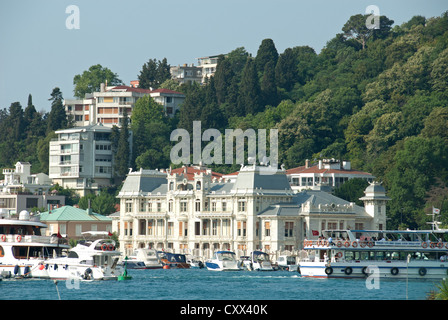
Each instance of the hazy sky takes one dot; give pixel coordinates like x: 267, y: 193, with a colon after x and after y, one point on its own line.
x: 38, y: 52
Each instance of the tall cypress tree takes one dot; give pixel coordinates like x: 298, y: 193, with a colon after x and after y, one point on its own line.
x: 249, y: 93
x: 122, y: 154
x: 269, y: 85
x: 266, y: 53
x: 57, y: 119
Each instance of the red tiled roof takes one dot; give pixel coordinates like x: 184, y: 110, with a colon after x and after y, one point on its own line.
x: 131, y: 89
x: 189, y: 172
x: 162, y: 90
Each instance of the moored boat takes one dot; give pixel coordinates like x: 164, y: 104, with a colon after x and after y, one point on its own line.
x: 23, y: 248
x: 258, y: 261
x: 173, y: 260
x: 222, y: 261
x: 94, y: 258
x: 395, y: 254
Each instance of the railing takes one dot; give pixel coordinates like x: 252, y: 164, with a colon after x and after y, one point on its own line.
x: 27, y: 238
x: 369, y: 244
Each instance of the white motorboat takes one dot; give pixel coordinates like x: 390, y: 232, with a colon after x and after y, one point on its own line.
x: 223, y: 261
x: 258, y: 261
x: 288, y: 263
x: 90, y: 259
x: 149, y: 257
x: 23, y: 248
x: 195, y: 262
x: 395, y: 254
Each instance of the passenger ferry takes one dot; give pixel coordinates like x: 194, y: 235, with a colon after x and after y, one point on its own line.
x: 23, y: 248
x: 396, y: 254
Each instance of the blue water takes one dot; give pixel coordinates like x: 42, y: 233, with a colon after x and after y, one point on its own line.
x: 201, y: 284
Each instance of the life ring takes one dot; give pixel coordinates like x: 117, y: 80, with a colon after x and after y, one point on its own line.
x: 440, y: 245
x: 446, y: 245
x: 394, y: 271
x: 432, y: 245
x: 19, y: 238
x: 364, y: 270
x: 328, y: 270
x: 370, y: 244
x: 339, y: 244
x: 3, y: 237
x: 363, y: 244
x: 354, y: 244
x: 348, y: 270
x: 424, y: 245
x: 338, y: 255
x: 104, y: 247
x: 422, y: 271
x: 347, y: 244
x: 110, y: 247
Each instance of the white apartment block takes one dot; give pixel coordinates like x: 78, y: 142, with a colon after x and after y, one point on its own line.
x: 208, y: 65
x: 110, y: 104
x: 81, y: 158
x: 194, y: 210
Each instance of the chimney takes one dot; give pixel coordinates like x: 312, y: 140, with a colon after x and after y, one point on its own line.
x: 307, y: 163
x: 320, y: 164
x: 89, y: 209
x: 102, y: 87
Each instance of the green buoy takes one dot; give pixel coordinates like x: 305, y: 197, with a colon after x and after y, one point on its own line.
x: 125, y: 275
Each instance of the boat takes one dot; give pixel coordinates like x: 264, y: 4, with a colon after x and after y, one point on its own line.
x: 223, y: 261
x: 287, y: 263
x: 394, y: 254
x: 23, y: 248
x: 258, y: 261
x: 144, y: 259
x: 173, y: 260
x: 93, y: 258
x: 195, y: 262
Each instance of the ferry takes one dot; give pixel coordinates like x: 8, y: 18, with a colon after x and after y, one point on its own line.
x: 222, y: 261
x: 94, y: 258
x: 395, y: 254
x: 23, y: 248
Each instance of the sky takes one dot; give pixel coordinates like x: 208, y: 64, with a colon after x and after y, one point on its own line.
x: 38, y: 52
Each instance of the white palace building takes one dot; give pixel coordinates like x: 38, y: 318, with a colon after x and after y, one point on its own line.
x: 193, y: 210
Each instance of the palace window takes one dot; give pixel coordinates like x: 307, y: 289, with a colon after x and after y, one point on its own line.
x: 289, y: 229
x: 267, y: 229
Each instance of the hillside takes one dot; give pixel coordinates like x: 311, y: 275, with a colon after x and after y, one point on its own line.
x: 378, y: 98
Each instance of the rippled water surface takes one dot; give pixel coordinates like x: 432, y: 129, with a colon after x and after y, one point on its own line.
x: 201, y: 284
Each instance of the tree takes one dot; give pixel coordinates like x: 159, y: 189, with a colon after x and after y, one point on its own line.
x: 266, y: 53
x: 268, y: 85
x: 355, y: 28
x: 57, y: 119
x: 154, y: 73
x: 90, y: 80
x: 122, y: 154
x: 352, y: 190
x: 249, y: 93
x: 286, y: 70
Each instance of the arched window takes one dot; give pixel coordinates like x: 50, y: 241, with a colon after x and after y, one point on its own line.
x: 198, y: 185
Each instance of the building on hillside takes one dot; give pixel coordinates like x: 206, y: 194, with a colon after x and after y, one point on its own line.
x: 21, y: 190
x: 208, y: 66
x: 109, y: 105
x: 186, y: 74
x: 81, y: 158
x: 70, y: 222
x: 193, y: 210
x: 326, y: 175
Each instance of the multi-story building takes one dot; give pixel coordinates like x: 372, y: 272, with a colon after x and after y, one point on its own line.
x: 194, y: 210
x: 81, y: 158
x: 21, y: 190
x: 186, y: 73
x: 208, y: 66
x: 110, y: 104
x: 326, y: 175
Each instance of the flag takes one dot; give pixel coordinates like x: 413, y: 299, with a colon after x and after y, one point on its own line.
x: 109, y: 234
x: 315, y: 233
x: 59, y: 235
x: 435, y: 210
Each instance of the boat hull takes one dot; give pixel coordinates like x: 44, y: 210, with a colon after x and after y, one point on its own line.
x: 391, y: 270
x: 219, y: 266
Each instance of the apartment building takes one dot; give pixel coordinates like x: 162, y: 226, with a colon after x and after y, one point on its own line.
x: 81, y: 158
x: 109, y: 105
x: 194, y: 210
x: 186, y: 73
x: 208, y: 66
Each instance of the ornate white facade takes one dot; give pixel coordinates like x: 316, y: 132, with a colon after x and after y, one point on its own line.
x: 193, y: 210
